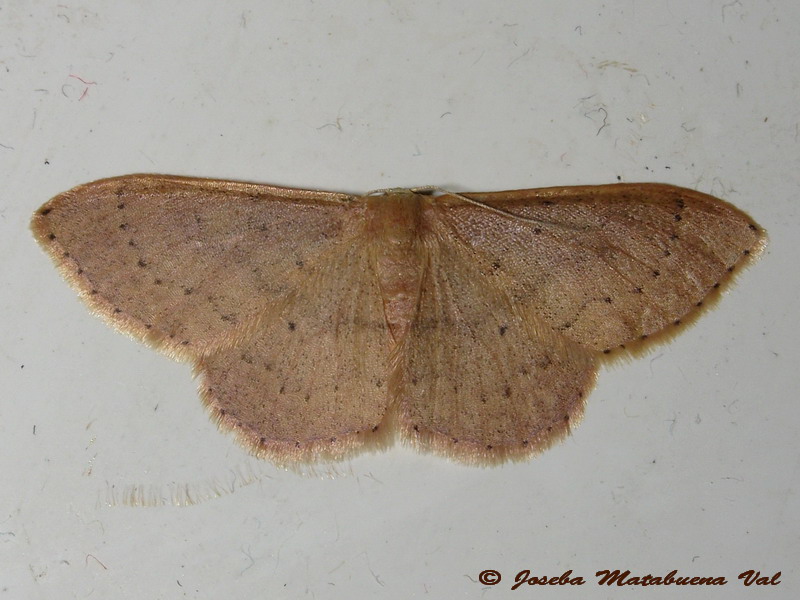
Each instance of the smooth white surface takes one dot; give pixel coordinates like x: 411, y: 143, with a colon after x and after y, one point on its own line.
x: 687, y: 458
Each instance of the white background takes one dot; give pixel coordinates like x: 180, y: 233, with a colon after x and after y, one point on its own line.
x: 687, y: 458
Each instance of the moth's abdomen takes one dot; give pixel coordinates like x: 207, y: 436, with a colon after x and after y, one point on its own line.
x: 393, y: 222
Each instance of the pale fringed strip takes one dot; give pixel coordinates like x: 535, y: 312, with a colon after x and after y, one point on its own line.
x: 177, y: 494
x: 187, y: 494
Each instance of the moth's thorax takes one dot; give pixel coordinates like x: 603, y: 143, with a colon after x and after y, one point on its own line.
x: 393, y: 223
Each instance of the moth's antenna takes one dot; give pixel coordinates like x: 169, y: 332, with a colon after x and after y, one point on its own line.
x: 389, y: 191
x: 494, y: 209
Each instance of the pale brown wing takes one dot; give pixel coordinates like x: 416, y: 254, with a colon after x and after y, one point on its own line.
x: 188, y: 264
x: 311, y: 382
x: 476, y: 379
x: 606, y: 266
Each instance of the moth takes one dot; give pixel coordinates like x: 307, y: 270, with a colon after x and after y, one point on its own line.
x: 320, y: 323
